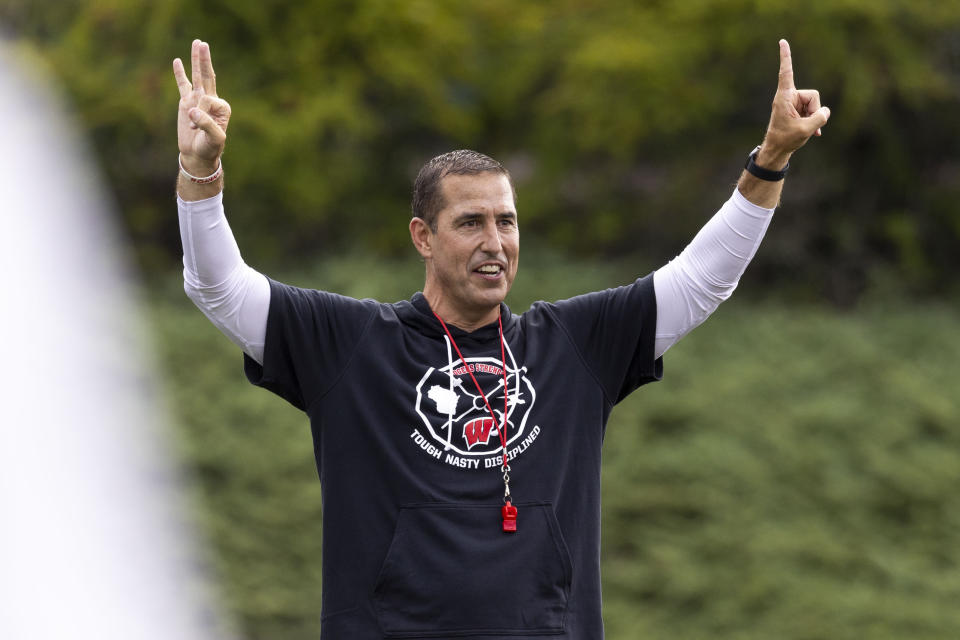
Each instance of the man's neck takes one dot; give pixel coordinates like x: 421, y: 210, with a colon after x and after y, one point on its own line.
x: 467, y: 320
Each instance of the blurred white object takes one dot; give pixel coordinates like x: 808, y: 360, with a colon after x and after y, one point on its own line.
x: 93, y: 542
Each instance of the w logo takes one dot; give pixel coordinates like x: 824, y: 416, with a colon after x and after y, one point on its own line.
x: 455, y: 416
x: 477, y: 431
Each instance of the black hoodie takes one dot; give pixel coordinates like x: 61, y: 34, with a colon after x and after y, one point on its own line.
x: 409, y: 459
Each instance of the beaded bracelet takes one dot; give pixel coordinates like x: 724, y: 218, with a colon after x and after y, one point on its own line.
x: 207, y: 180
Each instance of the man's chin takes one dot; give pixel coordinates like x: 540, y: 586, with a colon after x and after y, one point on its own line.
x: 488, y: 303
x: 492, y: 297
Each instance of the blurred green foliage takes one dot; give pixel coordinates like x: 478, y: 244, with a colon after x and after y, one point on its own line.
x: 792, y: 477
x: 625, y: 123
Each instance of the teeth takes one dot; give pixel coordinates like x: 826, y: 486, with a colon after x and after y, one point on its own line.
x: 489, y: 268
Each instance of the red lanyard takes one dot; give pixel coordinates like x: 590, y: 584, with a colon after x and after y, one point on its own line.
x: 509, y: 512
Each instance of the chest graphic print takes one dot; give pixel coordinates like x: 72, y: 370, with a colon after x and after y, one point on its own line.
x: 457, y: 427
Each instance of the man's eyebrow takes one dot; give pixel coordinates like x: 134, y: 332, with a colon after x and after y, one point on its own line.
x: 466, y: 216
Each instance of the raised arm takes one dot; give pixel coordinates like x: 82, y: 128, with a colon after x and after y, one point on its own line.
x: 706, y: 273
x: 232, y: 295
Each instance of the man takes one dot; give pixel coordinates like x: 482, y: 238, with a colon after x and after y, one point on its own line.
x: 458, y: 445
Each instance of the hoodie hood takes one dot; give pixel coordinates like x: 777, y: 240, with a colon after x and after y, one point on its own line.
x: 416, y: 313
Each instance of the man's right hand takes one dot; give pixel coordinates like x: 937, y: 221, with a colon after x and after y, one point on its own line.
x: 201, y: 122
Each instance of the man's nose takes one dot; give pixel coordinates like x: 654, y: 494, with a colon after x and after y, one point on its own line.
x: 491, y: 239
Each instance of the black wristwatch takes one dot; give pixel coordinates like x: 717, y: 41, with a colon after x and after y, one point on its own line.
x: 760, y: 172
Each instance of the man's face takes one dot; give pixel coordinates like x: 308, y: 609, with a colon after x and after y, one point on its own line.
x: 475, y: 250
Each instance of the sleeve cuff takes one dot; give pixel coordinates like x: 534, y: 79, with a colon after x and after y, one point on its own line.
x: 748, y: 207
x: 200, y: 205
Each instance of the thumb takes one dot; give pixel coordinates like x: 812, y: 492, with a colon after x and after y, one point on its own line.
x: 205, y: 123
x: 820, y: 116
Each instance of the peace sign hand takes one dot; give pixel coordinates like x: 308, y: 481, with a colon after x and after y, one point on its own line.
x: 202, y: 117
x: 795, y: 117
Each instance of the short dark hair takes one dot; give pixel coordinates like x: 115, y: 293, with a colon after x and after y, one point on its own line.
x: 427, y: 195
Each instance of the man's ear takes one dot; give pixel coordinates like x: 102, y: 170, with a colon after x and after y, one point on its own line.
x: 422, y: 237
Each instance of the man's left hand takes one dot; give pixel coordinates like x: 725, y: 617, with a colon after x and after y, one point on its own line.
x: 795, y: 117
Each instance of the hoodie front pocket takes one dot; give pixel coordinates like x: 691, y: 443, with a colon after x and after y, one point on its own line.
x: 452, y: 571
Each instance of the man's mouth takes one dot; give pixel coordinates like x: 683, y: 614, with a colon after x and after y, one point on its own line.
x: 489, y: 270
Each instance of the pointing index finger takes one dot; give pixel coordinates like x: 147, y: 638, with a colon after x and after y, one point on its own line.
x: 786, y: 67
x: 181, y: 77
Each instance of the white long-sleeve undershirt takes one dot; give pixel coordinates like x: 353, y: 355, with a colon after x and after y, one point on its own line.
x: 236, y: 298
x: 232, y: 295
x: 692, y: 285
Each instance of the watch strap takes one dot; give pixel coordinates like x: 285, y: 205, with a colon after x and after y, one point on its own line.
x: 764, y: 174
